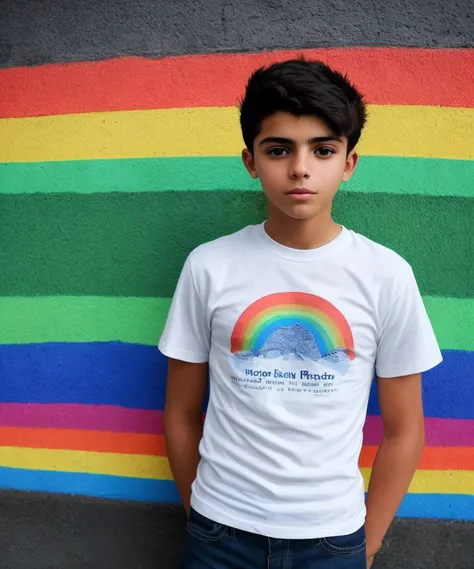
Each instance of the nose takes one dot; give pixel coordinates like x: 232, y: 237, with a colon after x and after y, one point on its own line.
x: 299, y: 168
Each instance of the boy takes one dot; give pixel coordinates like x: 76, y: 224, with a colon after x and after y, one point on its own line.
x: 292, y: 318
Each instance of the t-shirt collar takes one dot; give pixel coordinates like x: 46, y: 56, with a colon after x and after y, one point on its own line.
x: 302, y: 255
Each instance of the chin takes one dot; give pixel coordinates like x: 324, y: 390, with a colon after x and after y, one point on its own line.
x: 301, y: 211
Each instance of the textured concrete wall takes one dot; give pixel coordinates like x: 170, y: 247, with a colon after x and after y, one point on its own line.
x: 59, y: 30
x: 57, y: 532
x: 111, y: 170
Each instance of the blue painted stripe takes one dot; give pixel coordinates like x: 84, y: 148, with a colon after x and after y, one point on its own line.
x: 134, y: 376
x: 110, y: 373
x: 442, y: 506
x: 447, y: 389
x: 95, y: 485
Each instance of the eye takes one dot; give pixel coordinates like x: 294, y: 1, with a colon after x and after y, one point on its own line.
x: 324, y: 151
x: 277, y: 151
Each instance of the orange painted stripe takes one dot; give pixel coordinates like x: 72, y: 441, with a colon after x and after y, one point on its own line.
x: 75, y: 439
x: 434, y: 458
x: 388, y: 76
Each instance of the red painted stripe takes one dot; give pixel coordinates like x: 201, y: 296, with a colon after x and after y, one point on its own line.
x: 434, y: 458
x: 396, y: 76
x: 73, y: 439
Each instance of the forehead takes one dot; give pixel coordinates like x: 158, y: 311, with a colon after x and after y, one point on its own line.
x: 286, y: 125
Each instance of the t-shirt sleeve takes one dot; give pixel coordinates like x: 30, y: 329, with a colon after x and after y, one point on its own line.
x: 407, y: 343
x: 186, y: 335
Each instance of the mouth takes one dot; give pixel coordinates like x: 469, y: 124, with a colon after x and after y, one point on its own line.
x: 300, y: 193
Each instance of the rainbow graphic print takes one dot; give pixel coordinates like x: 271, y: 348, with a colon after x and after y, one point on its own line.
x: 293, y: 326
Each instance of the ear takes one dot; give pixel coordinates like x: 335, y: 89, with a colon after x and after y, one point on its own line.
x: 351, y: 163
x: 249, y: 163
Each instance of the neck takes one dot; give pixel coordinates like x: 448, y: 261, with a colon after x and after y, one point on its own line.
x: 301, y: 233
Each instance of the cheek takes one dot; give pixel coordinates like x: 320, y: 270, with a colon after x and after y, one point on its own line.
x: 272, y: 178
x: 330, y: 177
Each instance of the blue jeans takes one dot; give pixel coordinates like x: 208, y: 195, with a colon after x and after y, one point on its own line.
x: 210, y: 545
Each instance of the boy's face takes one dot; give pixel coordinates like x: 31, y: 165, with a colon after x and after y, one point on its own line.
x: 300, y: 163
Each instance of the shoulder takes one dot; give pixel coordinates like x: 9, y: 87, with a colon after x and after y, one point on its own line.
x: 384, y: 264
x: 222, y: 248
x: 211, y: 263
x: 213, y: 259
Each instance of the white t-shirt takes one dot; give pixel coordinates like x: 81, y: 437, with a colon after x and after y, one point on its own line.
x: 292, y: 338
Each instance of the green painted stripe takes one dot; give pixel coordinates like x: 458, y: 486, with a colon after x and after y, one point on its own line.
x: 389, y: 174
x: 453, y: 321
x: 135, y: 244
x: 82, y: 319
x: 141, y: 320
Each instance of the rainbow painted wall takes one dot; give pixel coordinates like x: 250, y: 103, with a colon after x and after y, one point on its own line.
x: 113, y: 170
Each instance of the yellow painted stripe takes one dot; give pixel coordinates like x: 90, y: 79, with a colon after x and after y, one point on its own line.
x: 137, y: 466
x: 155, y: 467
x: 392, y: 130
x: 436, y: 481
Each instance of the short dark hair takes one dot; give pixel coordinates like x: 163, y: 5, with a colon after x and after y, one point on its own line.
x: 302, y: 87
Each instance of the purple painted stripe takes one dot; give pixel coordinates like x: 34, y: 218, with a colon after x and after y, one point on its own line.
x: 438, y: 432
x: 87, y: 417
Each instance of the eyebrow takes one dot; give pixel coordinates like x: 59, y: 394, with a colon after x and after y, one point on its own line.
x: 280, y: 140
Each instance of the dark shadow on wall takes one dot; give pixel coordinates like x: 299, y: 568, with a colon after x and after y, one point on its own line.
x: 43, y: 531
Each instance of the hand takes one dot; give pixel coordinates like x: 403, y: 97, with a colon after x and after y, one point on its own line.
x: 371, y: 553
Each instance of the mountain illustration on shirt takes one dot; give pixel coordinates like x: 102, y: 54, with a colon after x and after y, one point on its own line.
x: 292, y: 327
x: 293, y: 343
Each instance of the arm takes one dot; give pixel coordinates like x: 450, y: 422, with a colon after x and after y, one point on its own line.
x: 185, y: 394
x: 398, y: 455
